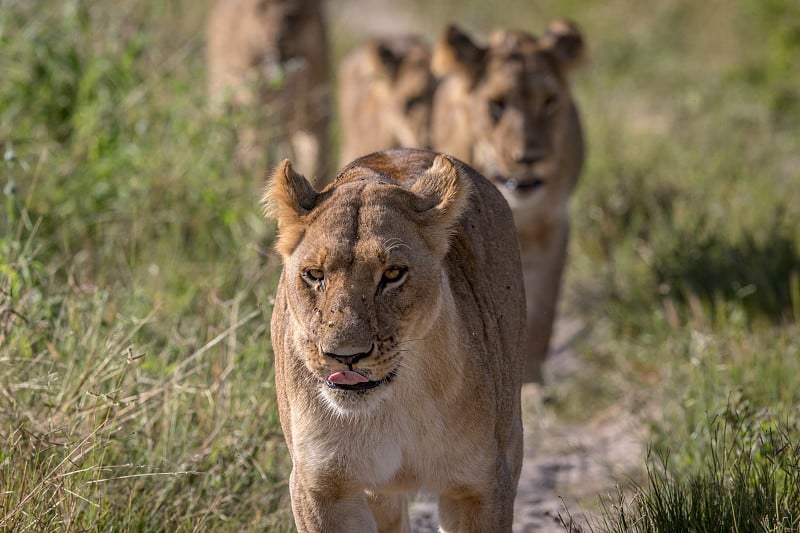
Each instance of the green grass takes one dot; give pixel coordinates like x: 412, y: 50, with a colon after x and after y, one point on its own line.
x: 135, y: 272
x: 135, y: 367
x: 686, y: 262
x: 749, y: 481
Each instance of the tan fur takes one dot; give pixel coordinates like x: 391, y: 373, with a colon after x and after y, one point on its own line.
x: 445, y: 341
x: 385, y: 96
x: 270, y: 56
x: 506, y: 108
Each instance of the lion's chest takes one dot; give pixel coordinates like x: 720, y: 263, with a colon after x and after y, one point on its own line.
x: 396, y: 451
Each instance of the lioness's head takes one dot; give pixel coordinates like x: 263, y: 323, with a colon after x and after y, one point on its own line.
x: 513, y: 97
x: 276, y: 27
x: 362, y: 271
x: 385, y: 95
x: 403, y: 62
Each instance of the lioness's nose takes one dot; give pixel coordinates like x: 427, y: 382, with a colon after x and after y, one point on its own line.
x: 529, y: 156
x: 347, y: 354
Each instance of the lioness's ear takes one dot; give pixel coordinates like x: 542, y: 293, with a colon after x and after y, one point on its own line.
x: 288, y: 198
x: 456, y: 53
x: 442, y: 195
x: 565, y: 41
x: 386, y: 58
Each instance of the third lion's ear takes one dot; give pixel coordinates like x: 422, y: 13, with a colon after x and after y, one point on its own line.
x: 456, y: 53
x: 388, y: 58
x: 565, y: 41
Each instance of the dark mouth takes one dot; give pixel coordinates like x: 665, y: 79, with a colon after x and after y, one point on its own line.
x: 366, y: 385
x: 515, y: 186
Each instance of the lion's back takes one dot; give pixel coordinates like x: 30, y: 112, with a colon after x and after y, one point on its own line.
x: 495, y: 289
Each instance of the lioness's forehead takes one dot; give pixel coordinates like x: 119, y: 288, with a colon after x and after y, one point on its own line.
x: 359, y: 218
x: 507, y: 42
x: 514, y: 71
x: 512, y: 51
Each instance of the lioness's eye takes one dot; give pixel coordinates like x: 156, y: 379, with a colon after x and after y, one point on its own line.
x: 414, y: 102
x: 496, y: 109
x: 393, y: 275
x: 313, y: 276
x: 551, y: 104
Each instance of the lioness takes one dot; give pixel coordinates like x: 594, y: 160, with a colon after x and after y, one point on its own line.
x: 506, y: 108
x: 398, y: 332
x: 385, y: 96
x: 271, y: 56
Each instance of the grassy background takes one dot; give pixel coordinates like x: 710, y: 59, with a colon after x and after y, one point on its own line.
x: 135, y: 275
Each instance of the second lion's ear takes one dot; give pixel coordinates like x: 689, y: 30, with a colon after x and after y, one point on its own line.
x: 565, y: 41
x: 456, y: 53
x: 388, y: 59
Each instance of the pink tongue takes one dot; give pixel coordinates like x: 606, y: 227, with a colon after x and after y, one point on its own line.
x: 346, y: 377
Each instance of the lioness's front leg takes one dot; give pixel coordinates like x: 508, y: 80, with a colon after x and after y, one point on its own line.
x: 467, y: 510
x: 329, y: 508
x: 391, y: 512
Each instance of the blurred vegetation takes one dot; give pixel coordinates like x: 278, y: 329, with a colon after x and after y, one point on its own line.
x: 135, y: 271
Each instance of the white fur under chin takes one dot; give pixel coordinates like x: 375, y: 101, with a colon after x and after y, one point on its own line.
x: 353, y: 405
x: 375, y: 437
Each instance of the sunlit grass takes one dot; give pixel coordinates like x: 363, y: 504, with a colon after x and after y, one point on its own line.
x: 135, y: 272
x: 748, y: 480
